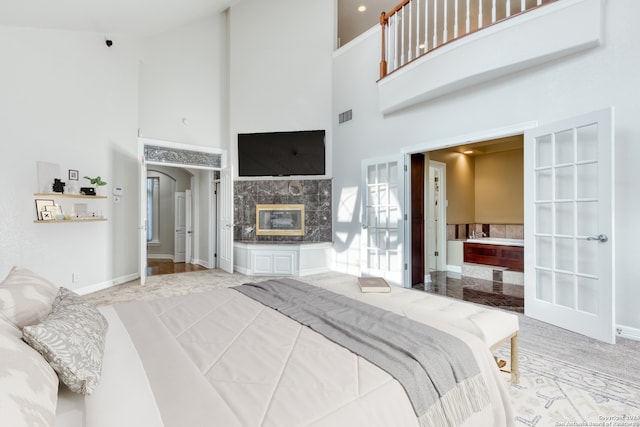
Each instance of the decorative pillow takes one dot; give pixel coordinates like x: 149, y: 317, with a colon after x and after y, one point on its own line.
x: 28, y: 385
x: 71, y: 339
x: 25, y: 297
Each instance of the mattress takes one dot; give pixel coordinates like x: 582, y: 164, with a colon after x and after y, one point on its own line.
x: 221, y: 358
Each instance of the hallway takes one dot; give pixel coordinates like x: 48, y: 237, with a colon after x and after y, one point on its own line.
x: 494, y: 294
x: 167, y: 266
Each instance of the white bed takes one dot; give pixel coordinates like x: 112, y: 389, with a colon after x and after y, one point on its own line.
x: 211, y: 358
x: 228, y: 360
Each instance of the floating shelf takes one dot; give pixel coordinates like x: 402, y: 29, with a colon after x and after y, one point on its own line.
x: 68, y: 220
x: 70, y: 196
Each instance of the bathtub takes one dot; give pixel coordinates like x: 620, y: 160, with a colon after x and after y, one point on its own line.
x: 497, y: 241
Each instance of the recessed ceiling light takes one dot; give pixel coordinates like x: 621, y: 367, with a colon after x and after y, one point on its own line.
x: 468, y: 152
x: 362, y: 8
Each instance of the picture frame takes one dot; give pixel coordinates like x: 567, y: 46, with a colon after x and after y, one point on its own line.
x: 41, y: 206
x: 47, y: 215
x: 73, y: 174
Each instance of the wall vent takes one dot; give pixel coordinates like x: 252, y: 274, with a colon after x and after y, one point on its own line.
x: 345, y: 116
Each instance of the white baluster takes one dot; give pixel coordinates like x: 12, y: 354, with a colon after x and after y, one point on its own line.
x: 508, y: 7
x: 418, y: 29
x: 523, y: 5
x: 410, y: 45
x: 493, y: 12
x: 445, y: 33
x: 539, y: 2
x: 402, y: 21
x: 435, y: 24
x: 479, y: 14
x: 468, y: 20
x: 393, y: 41
x: 455, y: 21
x: 426, y: 25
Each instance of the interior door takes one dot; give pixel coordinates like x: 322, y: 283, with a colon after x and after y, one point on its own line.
x: 383, y: 220
x: 188, y: 244
x: 226, y: 220
x: 569, y: 272
x: 180, y: 220
x: 142, y: 221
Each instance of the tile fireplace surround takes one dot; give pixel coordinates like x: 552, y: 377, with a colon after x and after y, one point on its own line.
x: 314, y: 194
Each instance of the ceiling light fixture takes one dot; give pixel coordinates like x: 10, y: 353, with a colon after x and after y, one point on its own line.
x: 468, y: 152
x: 362, y: 8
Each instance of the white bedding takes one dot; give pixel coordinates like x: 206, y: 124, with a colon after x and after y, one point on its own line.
x: 220, y: 358
x: 123, y: 398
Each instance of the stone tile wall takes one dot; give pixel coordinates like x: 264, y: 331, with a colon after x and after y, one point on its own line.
x: 313, y: 193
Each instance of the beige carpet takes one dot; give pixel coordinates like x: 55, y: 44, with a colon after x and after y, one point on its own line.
x: 566, y: 379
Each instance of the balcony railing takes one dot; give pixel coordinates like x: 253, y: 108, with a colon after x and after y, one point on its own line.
x: 416, y: 27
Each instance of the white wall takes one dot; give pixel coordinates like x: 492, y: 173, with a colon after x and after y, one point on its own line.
x: 584, y: 82
x: 280, y: 67
x: 183, y: 75
x: 66, y: 98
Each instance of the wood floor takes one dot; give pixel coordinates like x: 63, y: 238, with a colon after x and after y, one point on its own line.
x: 166, y: 266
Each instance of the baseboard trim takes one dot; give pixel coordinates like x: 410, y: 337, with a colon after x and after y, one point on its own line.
x: 628, y: 332
x: 104, y: 285
x: 201, y: 263
x: 160, y: 256
x: 454, y: 268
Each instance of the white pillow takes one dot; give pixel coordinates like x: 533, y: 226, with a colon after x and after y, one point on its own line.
x: 28, y: 385
x: 71, y: 339
x: 25, y: 297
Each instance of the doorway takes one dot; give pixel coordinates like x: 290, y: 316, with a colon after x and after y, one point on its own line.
x: 475, y: 189
x: 205, y: 164
x: 171, y: 220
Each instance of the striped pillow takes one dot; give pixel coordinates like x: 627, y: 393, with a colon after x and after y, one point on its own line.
x: 25, y: 297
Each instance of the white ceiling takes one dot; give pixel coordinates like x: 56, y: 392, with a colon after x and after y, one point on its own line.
x: 142, y: 17
x: 145, y: 17
x: 352, y: 23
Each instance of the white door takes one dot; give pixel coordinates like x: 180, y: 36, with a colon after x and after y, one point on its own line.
x: 188, y: 239
x: 225, y: 250
x: 180, y: 221
x: 436, y: 221
x: 569, y: 274
x: 383, y: 220
x: 142, y: 221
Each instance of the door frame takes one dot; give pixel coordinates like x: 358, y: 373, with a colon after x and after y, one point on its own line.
x: 438, y: 144
x: 142, y: 167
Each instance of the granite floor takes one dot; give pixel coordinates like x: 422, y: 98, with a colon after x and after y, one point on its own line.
x: 495, y: 294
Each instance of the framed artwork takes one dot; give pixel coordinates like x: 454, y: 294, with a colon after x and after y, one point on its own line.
x: 41, y: 206
x: 73, y: 174
x: 47, y: 215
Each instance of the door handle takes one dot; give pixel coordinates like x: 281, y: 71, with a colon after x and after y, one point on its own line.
x: 600, y: 237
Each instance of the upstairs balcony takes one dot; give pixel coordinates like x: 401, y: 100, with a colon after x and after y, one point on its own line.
x: 433, y: 47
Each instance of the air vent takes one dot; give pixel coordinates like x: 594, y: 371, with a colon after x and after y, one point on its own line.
x: 344, y: 117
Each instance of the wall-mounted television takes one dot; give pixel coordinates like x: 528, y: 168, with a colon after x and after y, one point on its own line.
x: 281, y: 153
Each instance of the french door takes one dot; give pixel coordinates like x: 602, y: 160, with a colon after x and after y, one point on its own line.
x: 226, y: 220
x: 569, y: 275
x: 382, y: 219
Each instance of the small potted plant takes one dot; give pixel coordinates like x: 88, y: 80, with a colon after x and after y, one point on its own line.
x: 97, y: 181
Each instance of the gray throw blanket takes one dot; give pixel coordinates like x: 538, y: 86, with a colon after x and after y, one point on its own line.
x: 437, y: 370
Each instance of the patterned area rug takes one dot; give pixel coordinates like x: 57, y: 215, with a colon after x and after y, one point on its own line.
x: 551, y: 392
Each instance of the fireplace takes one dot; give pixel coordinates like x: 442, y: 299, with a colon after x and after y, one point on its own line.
x: 280, y: 220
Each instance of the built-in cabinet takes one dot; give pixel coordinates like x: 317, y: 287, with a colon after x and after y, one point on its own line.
x: 281, y: 259
x: 96, y: 209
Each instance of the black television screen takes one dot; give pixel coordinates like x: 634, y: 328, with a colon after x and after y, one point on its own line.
x: 281, y: 153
